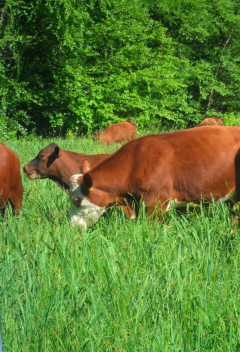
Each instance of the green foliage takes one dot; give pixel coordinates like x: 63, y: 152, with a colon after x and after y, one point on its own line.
x: 10, y: 128
x: 232, y: 119
x: 120, y: 285
x: 81, y: 65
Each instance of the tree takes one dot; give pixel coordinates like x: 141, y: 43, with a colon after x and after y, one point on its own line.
x: 81, y: 65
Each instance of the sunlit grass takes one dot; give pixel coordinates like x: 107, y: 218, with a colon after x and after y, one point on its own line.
x: 120, y: 285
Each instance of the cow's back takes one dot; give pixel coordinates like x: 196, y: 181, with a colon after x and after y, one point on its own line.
x: 209, y: 121
x: 126, y: 131
x: 180, y: 158
x: 181, y: 148
x: 119, y: 132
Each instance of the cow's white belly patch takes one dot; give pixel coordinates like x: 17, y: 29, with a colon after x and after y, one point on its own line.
x: 174, y: 203
x: 229, y: 196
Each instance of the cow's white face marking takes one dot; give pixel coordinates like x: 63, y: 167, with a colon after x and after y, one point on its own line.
x: 87, y: 212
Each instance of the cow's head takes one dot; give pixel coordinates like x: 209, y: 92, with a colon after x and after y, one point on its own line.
x: 88, y: 202
x: 40, y: 166
x: 97, y: 137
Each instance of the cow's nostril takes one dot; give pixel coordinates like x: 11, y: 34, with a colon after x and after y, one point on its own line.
x: 24, y: 169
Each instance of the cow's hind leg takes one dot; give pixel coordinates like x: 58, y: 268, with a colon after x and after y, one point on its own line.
x: 16, y: 203
x: 4, y: 196
x: 16, y: 197
x: 3, y: 211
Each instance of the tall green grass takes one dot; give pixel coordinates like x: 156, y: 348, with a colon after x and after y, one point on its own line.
x: 120, y: 285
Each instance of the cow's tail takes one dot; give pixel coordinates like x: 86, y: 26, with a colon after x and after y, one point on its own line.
x: 237, y: 186
x: 237, y: 176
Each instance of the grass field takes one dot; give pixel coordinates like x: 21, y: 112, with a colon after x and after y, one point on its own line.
x: 122, y: 284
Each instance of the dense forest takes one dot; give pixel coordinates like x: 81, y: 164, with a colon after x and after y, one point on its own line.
x: 78, y: 65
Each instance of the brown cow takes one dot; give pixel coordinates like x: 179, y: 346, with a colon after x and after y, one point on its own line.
x: 119, y: 132
x: 11, y: 188
x: 59, y: 165
x: 164, y: 170
x: 211, y: 121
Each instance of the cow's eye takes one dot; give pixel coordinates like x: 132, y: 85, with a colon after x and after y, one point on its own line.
x: 76, y: 201
x: 41, y: 156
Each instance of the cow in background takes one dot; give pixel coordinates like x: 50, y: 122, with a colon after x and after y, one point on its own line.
x: 11, y: 188
x: 119, y: 132
x: 59, y: 165
x: 164, y: 170
x: 211, y: 121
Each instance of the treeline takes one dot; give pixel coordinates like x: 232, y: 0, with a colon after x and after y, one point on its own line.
x: 81, y: 64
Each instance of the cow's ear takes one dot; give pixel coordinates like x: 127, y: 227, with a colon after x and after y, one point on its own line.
x: 84, y: 167
x: 56, y: 151
x: 94, y: 138
x: 87, y: 179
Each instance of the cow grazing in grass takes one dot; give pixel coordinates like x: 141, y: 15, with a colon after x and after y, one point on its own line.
x: 164, y: 170
x: 119, y: 132
x: 209, y: 121
x: 59, y: 165
x: 11, y: 188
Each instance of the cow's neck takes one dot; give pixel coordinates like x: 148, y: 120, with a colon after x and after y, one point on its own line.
x: 66, y: 165
x: 60, y: 182
x: 115, y: 179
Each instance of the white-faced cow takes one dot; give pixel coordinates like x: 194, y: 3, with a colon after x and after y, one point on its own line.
x: 164, y: 170
x: 59, y: 165
x: 118, y: 132
x: 11, y: 188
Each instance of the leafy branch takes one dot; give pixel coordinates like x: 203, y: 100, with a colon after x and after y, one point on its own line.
x: 216, y: 74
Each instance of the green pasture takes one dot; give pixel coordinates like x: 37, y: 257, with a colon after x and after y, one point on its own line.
x: 122, y: 284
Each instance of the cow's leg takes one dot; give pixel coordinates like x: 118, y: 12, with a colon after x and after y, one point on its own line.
x: 128, y: 211
x: 157, y: 204
x: 3, y: 208
x: 16, y: 203
x: 4, y: 196
x: 16, y: 197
